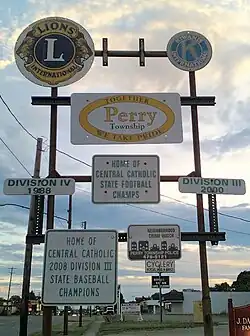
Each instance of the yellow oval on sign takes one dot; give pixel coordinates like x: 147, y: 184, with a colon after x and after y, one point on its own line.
x: 129, y: 138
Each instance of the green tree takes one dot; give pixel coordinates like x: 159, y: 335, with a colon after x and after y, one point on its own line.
x: 15, y: 300
x: 223, y: 287
x: 32, y: 296
x: 242, y: 283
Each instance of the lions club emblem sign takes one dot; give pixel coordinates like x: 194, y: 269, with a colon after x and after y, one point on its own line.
x: 54, y: 52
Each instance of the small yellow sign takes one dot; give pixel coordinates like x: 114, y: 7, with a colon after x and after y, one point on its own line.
x: 198, y: 311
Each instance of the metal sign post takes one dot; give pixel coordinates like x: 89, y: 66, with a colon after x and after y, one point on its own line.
x: 206, y: 300
x: 37, y: 57
x: 160, y: 297
x: 191, y: 51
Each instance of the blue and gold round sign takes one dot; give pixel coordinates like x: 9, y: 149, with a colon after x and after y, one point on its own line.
x: 54, y: 52
x: 189, y: 51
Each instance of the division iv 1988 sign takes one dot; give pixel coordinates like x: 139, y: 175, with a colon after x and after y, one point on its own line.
x: 39, y: 186
x: 126, y: 179
x: 80, y: 267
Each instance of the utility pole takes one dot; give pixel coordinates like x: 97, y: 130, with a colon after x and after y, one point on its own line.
x: 66, y: 308
x: 23, y: 329
x: 84, y: 226
x: 10, y: 282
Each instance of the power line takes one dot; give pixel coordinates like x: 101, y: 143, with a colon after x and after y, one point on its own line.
x: 88, y: 165
x: 220, y: 213
x: 14, y: 155
x: 166, y: 215
x: 35, y: 138
x: 26, y: 207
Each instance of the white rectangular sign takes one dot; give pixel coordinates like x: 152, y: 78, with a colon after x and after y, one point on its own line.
x: 159, y: 266
x: 126, y: 179
x: 154, y: 242
x: 125, y: 118
x: 80, y: 267
x: 199, y: 185
x: 130, y: 308
x: 39, y: 186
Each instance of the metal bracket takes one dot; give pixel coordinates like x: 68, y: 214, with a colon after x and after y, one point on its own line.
x: 65, y: 101
x: 213, y: 216
x: 38, y: 215
x: 105, y: 51
x: 123, y: 237
x: 142, y: 52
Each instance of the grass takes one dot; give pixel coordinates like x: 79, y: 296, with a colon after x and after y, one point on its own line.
x: 73, y: 329
x: 119, y: 327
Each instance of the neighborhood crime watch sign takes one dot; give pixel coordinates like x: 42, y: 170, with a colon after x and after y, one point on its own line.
x: 125, y: 118
x: 39, y: 186
x: 54, y: 52
x: 80, y: 266
x: 154, y: 242
x: 126, y: 179
x: 199, y: 185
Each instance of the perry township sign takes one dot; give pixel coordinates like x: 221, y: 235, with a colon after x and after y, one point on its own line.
x: 125, y: 118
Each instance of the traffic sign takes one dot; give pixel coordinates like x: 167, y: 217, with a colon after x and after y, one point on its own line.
x: 54, y: 52
x: 159, y: 266
x: 80, y: 267
x: 199, y: 185
x: 39, y: 186
x: 162, y: 281
x: 154, y: 242
x: 138, y: 118
x: 126, y: 179
x: 189, y: 51
x: 130, y: 308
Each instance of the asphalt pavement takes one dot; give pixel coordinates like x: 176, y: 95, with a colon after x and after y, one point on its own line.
x: 181, y: 318
x: 9, y: 325
x: 218, y: 331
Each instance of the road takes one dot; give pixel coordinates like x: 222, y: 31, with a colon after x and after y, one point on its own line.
x: 182, y: 318
x: 218, y: 331
x: 9, y: 325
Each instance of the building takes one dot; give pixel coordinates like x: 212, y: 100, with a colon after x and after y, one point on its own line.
x: 175, y: 302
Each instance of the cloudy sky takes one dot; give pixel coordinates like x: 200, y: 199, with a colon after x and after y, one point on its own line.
x: 224, y: 129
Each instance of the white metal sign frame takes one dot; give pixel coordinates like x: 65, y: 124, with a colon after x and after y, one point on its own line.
x: 164, y: 280
x: 77, y: 238
x: 121, y: 184
x: 39, y: 186
x: 125, y: 118
x: 130, y: 308
x: 213, y: 185
x: 155, y: 241
x: 160, y: 266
